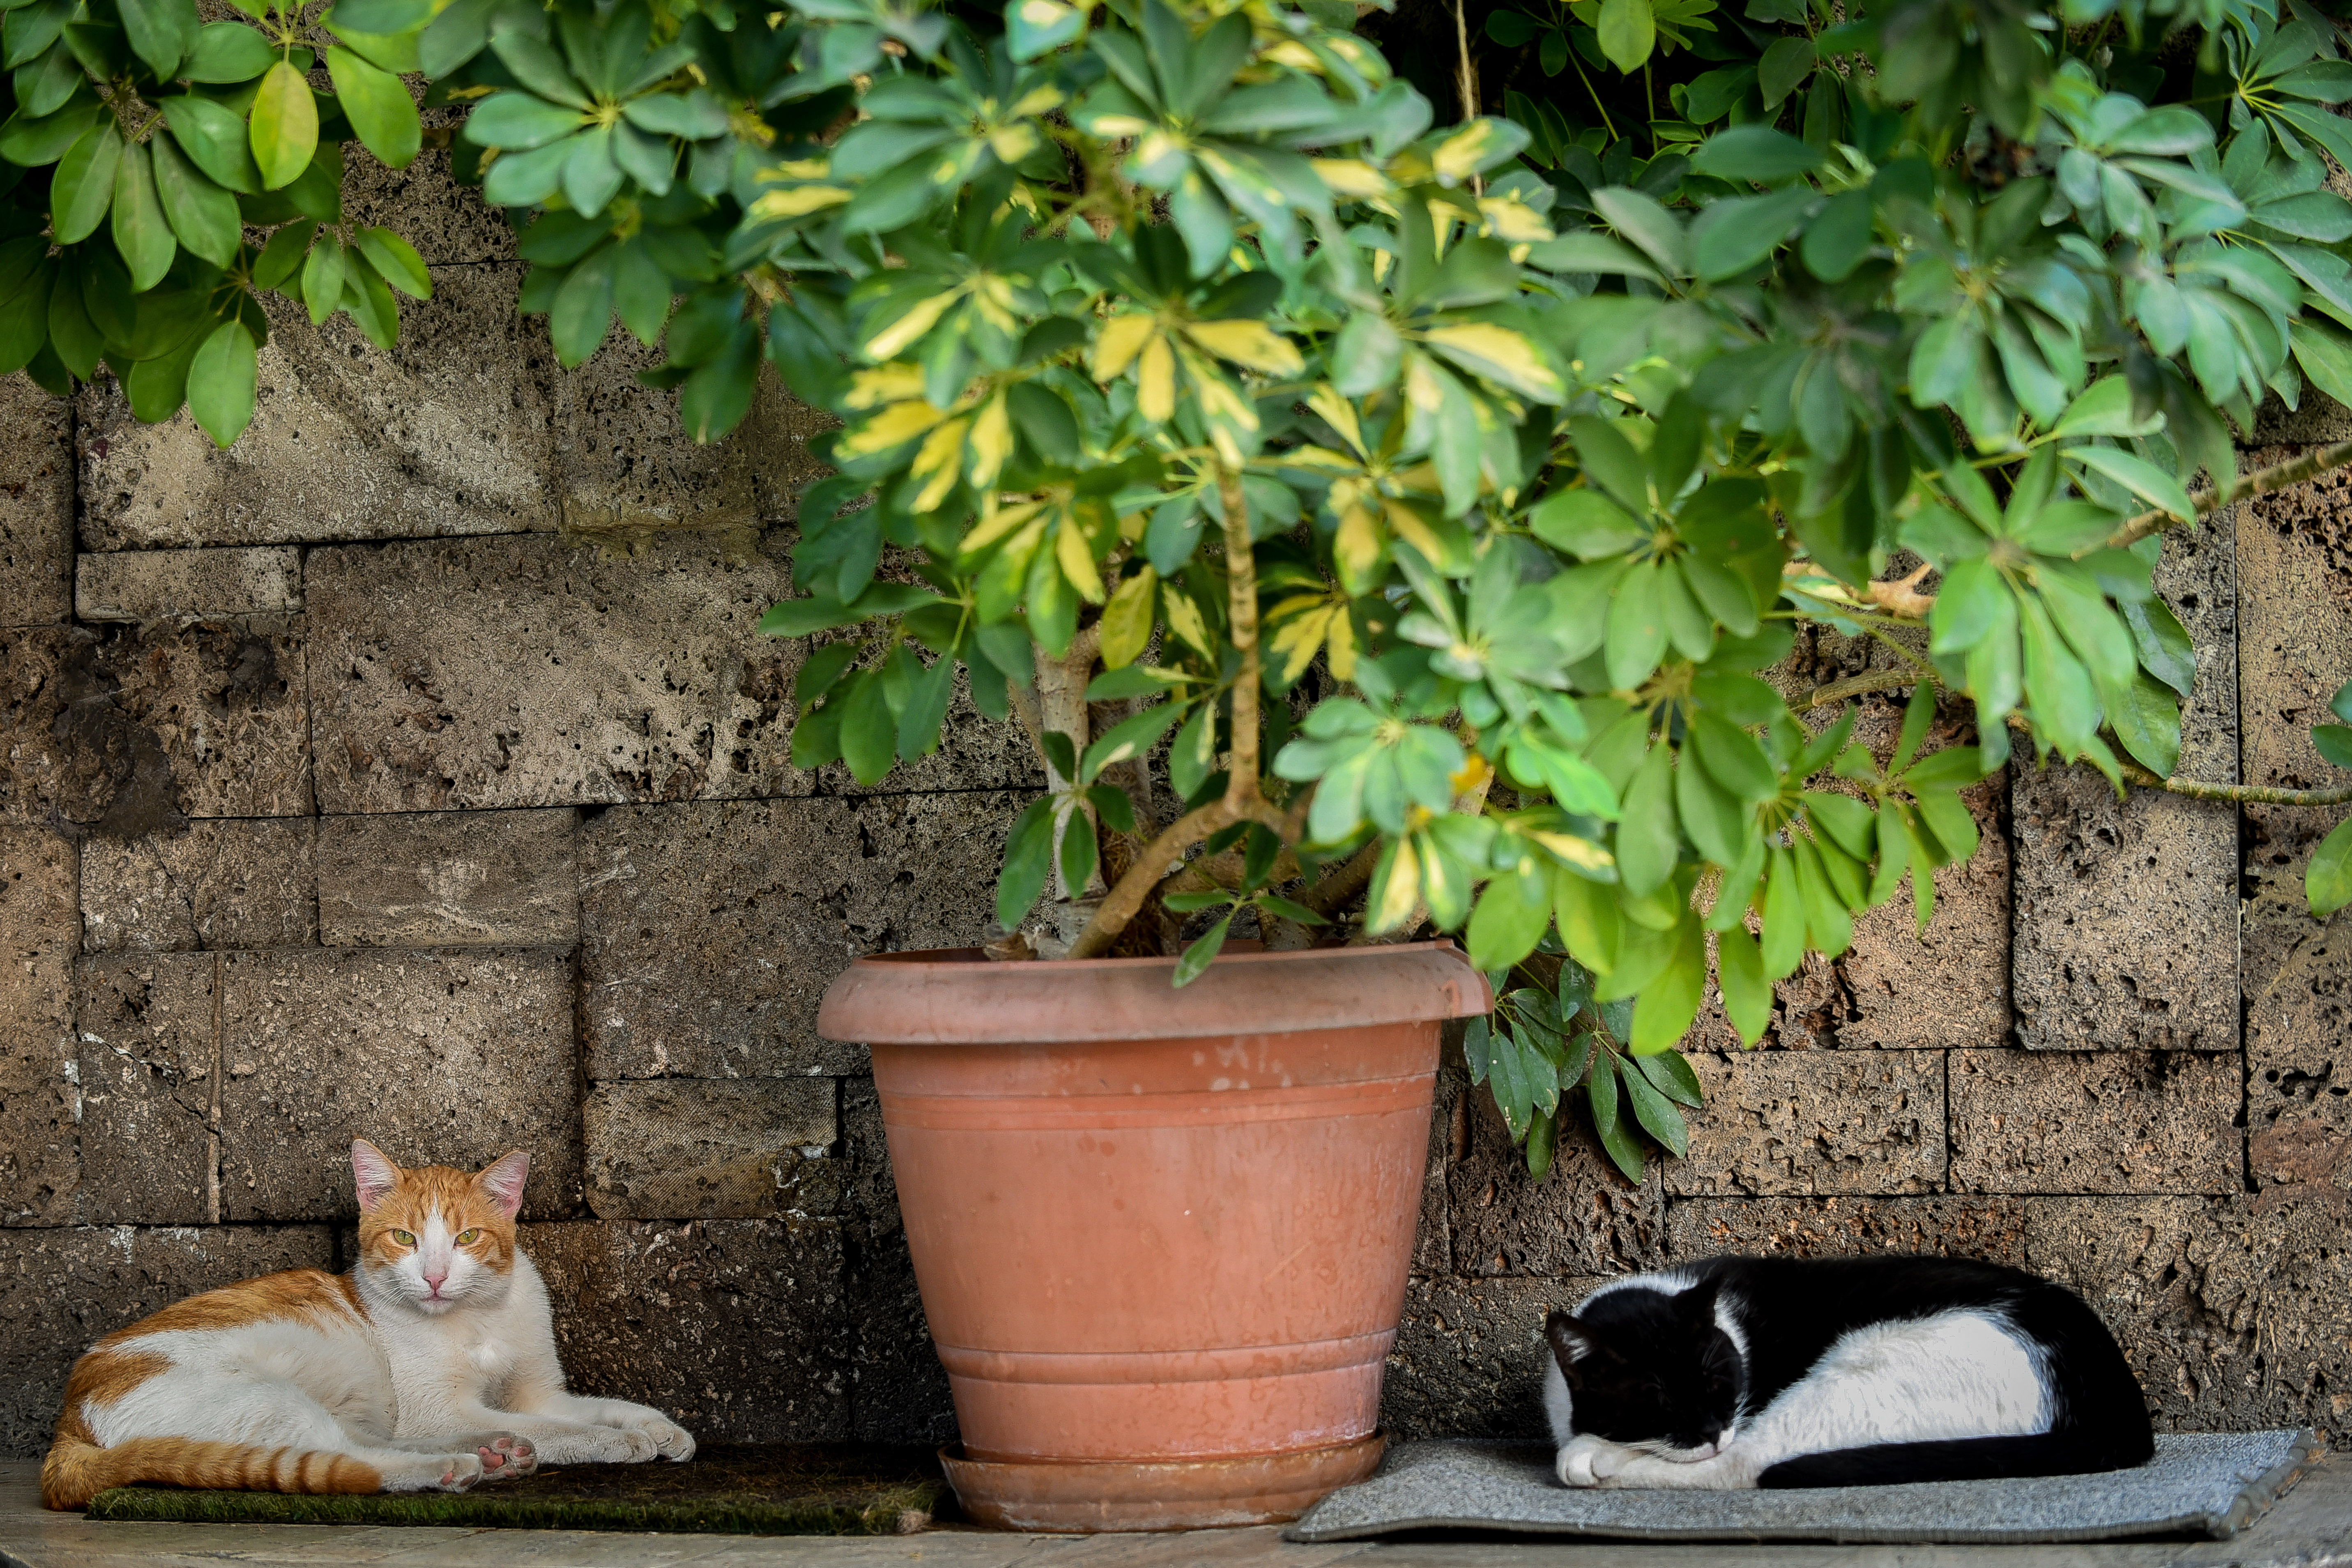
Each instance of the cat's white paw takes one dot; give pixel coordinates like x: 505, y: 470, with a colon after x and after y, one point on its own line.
x: 671, y: 1441
x: 1575, y: 1465
x: 458, y: 1472
x: 507, y: 1457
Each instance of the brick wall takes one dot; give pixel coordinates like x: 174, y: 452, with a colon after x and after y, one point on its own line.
x: 344, y: 791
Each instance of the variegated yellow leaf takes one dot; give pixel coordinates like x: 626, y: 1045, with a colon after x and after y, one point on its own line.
x: 1250, y: 344
x: 791, y: 169
x: 1351, y: 177
x: 886, y: 344
x: 1570, y: 850
x: 1120, y: 340
x: 1500, y: 354
x: 1117, y: 125
x: 1037, y: 99
x: 1158, y: 143
x: 1127, y: 620
x: 1421, y: 388
x: 1342, y: 637
x: 1359, y: 546
x: 893, y: 427
x: 1076, y: 554
x: 1459, y: 156
x: 883, y: 383
x: 991, y: 442
x: 996, y: 524
x: 1184, y: 620
x: 798, y: 202
x: 937, y: 462
x: 1401, y: 892
x: 1340, y: 415
x: 1513, y: 221
x: 1155, y: 381
x: 1292, y: 53
x: 1406, y: 524
x: 1296, y: 640
x: 1014, y: 143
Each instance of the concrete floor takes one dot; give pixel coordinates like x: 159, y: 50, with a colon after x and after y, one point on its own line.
x: 2312, y: 1527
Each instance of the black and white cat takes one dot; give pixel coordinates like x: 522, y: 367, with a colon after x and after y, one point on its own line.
x: 1773, y: 1371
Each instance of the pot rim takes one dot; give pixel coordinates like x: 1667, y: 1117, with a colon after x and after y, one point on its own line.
x: 956, y: 996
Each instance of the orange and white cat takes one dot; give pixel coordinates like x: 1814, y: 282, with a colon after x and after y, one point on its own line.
x: 429, y: 1367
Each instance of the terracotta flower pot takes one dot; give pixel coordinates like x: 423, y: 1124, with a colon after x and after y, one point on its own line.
x: 1162, y: 1235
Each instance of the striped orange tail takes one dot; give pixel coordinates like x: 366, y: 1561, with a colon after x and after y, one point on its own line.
x: 78, y: 1470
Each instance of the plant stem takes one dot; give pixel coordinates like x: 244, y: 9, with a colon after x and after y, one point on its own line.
x: 1241, y: 802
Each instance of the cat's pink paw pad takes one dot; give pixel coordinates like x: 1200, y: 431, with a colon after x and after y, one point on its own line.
x: 508, y: 1457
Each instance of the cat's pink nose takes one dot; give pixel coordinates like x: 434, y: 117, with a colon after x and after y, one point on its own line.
x: 433, y: 1281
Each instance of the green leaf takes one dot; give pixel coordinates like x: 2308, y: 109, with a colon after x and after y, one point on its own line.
x: 1028, y: 857
x: 2333, y: 742
x: 396, y: 260
x: 1739, y: 974
x: 2327, y: 883
x: 2139, y: 476
x: 2145, y: 717
x: 1078, y: 851
x: 1585, y: 524
x: 29, y: 143
x: 25, y: 304
x: 1667, y: 1005
x: 284, y: 127
x: 869, y: 730
x: 382, y: 114
x: 1757, y: 153
x: 1201, y: 953
x: 1838, y: 238
x: 1647, y: 842
x: 583, y: 311
x: 1730, y: 236
x: 1130, y: 737
x: 1600, y: 1089
x: 83, y: 186
x: 1670, y: 1074
x: 1512, y: 915
x: 322, y: 278
x: 396, y: 52
x: 229, y: 52
x: 214, y: 139
x: 160, y: 32
x: 1783, y: 70
x: 221, y: 381
x: 1628, y: 30
x: 1657, y: 1114
x: 201, y: 214
x: 1636, y: 628
x: 142, y: 233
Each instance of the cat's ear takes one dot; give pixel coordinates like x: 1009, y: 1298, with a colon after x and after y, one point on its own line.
x: 1571, y: 1341
x: 502, y: 1178
x: 375, y: 1173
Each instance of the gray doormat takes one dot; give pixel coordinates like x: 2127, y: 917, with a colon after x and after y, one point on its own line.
x: 2212, y: 1485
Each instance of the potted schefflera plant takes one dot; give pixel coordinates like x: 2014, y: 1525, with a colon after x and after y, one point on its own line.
x: 1379, y: 531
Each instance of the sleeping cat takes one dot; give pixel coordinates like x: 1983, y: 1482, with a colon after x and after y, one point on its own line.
x: 1776, y: 1371
x: 429, y: 1367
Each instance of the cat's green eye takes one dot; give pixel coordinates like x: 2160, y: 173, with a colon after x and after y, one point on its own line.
x: 468, y: 1237
x: 403, y: 1238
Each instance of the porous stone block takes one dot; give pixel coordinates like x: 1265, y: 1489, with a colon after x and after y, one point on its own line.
x: 520, y: 672
x: 202, y: 584
x: 61, y: 1291
x: 2100, y: 964
x: 711, y: 1148
x: 1583, y: 1217
x: 498, y: 879
x: 2094, y: 1122
x: 2295, y: 642
x: 149, y: 1065
x: 1814, y: 1122
x: 449, y: 225
x: 2316, y: 419
x: 631, y: 473
x: 2235, y: 1313
x: 39, y: 931
x: 237, y: 883
x: 709, y: 931
x: 447, y: 433
x: 438, y: 1058
x: 129, y: 732
x: 1990, y: 1229
x: 37, y: 481
x: 899, y: 1390
x: 737, y: 1328
x: 1470, y: 1356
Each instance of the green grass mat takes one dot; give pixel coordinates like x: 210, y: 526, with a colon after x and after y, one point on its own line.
x: 737, y: 1488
